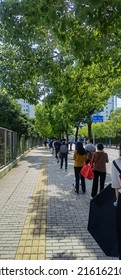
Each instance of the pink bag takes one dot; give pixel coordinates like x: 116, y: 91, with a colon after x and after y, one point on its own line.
x: 87, y: 171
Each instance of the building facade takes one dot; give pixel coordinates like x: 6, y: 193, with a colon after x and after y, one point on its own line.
x: 113, y: 103
x: 26, y: 107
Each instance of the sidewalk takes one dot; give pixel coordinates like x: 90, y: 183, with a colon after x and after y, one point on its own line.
x: 41, y: 217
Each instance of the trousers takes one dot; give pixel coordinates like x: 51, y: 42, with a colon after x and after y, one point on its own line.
x: 97, y: 175
x: 77, y: 176
x: 64, y: 156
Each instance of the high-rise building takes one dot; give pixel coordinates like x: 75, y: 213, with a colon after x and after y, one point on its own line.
x: 26, y: 107
x: 113, y: 103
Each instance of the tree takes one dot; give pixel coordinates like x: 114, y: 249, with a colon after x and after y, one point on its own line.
x: 42, y: 121
x: 11, y: 116
x: 70, y: 47
x: 85, y: 92
x: 115, y: 121
x: 107, y: 129
x: 53, y: 121
x: 31, y: 35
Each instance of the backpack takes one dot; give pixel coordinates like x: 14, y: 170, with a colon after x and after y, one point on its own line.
x: 63, y: 149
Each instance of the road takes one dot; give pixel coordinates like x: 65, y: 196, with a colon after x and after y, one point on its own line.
x: 112, y: 154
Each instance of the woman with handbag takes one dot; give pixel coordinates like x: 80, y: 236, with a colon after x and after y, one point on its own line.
x: 79, y: 160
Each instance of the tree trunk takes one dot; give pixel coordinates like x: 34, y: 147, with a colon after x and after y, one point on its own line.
x: 76, y: 133
x: 66, y: 136
x: 89, y: 130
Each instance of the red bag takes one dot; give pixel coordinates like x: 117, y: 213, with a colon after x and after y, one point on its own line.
x: 87, y: 171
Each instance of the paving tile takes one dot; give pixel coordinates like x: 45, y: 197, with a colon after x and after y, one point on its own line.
x: 45, y: 222
x: 67, y: 217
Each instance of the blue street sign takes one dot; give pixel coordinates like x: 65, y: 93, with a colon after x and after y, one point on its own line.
x: 97, y: 118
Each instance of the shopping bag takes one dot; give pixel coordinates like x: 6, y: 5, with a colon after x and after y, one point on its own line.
x: 87, y: 171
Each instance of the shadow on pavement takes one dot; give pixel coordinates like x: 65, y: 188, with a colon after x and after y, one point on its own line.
x: 67, y: 216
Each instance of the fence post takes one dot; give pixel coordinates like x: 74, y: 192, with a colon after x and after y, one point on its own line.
x: 14, y: 145
x: 11, y: 155
x: 23, y: 144
x: 5, y: 142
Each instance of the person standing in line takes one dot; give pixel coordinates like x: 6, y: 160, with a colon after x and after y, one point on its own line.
x: 50, y: 144
x: 79, y: 160
x: 57, y: 147
x: 90, y: 149
x: 53, y: 146
x: 71, y: 144
x: 63, y: 153
x: 116, y: 184
x: 99, y: 160
x: 58, y: 151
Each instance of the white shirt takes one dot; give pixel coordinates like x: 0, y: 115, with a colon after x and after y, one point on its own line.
x: 90, y: 148
x: 116, y: 181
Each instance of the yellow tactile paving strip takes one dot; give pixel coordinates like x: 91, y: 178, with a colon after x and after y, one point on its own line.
x: 33, y: 238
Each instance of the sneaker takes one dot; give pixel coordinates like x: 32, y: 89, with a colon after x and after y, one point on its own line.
x: 115, y: 203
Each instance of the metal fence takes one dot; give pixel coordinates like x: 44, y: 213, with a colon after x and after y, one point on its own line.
x: 12, y: 146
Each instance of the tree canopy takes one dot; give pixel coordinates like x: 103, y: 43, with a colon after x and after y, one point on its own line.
x: 64, y: 49
x: 105, y: 130
x: 12, y: 117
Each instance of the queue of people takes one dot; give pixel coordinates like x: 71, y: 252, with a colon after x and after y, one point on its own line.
x: 60, y: 149
x: 81, y: 156
x: 98, y: 157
